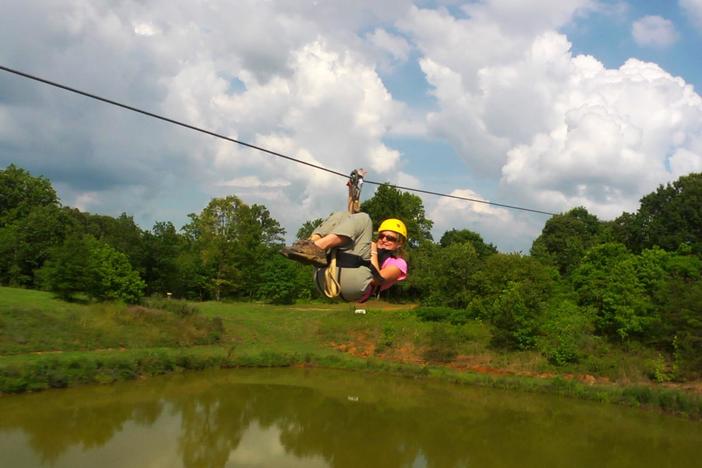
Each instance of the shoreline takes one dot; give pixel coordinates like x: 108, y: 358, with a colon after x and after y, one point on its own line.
x: 37, y: 372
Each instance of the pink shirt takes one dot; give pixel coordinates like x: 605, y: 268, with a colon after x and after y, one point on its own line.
x: 390, y: 261
x: 399, y: 263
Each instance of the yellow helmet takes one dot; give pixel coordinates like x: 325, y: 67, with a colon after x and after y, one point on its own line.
x: 394, y: 225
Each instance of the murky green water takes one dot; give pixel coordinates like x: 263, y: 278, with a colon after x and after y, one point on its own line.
x: 330, y: 418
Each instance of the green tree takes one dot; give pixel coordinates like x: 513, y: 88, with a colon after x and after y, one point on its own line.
x: 26, y: 243
x: 389, y: 202
x: 67, y: 272
x: 121, y: 233
x: 610, y: 281
x: 233, y: 240
x: 283, y: 281
x: 565, y: 333
x: 162, y: 247
x: 565, y: 239
x: 422, y: 280
x: 674, y: 281
x: 193, y: 280
x: 308, y: 227
x: 111, y: 276
x: 20, y: 192
x: 512, y: 293
x: 668, y: 217
x: 82, y: 264
x: 516, y: 318
x: 455, y: 236
x: 442, y: 275
x: 684, y: 315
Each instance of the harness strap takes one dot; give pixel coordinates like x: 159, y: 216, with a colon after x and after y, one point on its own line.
x: 355, y: 184
x: 331, y: 278
x: 339, y: 259
x: 349, y: 260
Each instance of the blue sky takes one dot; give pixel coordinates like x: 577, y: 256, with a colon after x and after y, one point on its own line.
x: 548, y: 104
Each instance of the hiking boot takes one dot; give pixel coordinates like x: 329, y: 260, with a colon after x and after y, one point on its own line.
x: 304, y: 251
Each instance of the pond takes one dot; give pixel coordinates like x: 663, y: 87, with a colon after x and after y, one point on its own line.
x: 319, y: 418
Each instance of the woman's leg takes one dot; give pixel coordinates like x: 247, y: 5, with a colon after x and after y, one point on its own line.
x: 350, y: 232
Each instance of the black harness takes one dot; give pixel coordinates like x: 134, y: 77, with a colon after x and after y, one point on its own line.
x: 349, y: 260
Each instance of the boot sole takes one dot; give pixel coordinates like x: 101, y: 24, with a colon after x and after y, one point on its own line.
x: 301, y: 258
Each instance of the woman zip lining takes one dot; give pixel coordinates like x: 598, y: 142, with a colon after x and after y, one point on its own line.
x: 347, y: 262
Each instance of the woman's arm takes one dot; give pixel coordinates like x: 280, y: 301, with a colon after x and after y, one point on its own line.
x: 390, y: 273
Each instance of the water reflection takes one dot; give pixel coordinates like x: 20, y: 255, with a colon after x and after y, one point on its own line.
x: 329, y: 418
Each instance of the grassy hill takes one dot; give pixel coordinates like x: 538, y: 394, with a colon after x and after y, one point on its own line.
x: 48, y: 343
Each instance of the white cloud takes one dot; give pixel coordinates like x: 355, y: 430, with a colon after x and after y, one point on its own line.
x: 617, y: 128
x: 693, y: 9
x: 494, y: 224
x: 685, y: 161
x: 396, y: 46
x: 485, y: 104
x: 305, y: 90
x: 254, y: 182
x: 145, y: 29
x: 562, y: 130
x: 539, y: 126
x: 85, y: 201
x: 528, y: 18
x: 407, y: 180
x: 654, y: 31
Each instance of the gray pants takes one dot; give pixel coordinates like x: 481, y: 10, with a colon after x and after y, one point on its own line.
x: 358, y: 227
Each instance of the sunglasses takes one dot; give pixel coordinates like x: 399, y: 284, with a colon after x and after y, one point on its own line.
x: 387, y: 237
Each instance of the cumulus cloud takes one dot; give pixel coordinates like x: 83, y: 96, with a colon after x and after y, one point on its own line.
x: 494, y: 224
x: 485, y: 104
x: 528, y: 18
x: 253, y: 181
x: 145, y: 29
x: 693, y: 9
x: 654, y: 31
x: 395, y: 45
x: 305, y: 90
x: 535, y: 124
x: 562, y: 130
x: 617, y: 130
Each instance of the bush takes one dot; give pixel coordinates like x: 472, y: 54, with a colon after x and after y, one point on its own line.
x: 609, y: 280
x: 433, y: 314
x: 517, y: 316
x: 443, y: 343
x: 442, y: 314
x: 82, y: 264
x: 178, y: 307
x: 283, y: 281
x: 564, y: 333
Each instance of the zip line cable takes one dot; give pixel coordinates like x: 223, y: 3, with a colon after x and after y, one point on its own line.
x: 165, y: 119
x: 249, y: 145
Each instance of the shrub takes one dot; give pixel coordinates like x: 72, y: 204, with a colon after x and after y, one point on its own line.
x: 282, y: 282
x: 84, y: 264
x: 178, y: 307
x: 565, y: 331
x: 443, y: 314
x: 433, y: 314
x: 517, y: 316
x: 443, y: 343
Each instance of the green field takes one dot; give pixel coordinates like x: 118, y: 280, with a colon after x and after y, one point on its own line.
x: 48, y: 343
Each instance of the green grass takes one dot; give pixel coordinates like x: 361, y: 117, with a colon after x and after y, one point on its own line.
x: 48, y: 343
x: 34, y: 322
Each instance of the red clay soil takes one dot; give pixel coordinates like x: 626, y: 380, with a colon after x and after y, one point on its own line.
x: 363, y: 346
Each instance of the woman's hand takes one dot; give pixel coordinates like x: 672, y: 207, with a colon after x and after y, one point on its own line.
x: 374, y: 255
x: 388, y: 274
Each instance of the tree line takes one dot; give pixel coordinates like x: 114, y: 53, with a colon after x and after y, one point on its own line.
x: 586, y: 284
